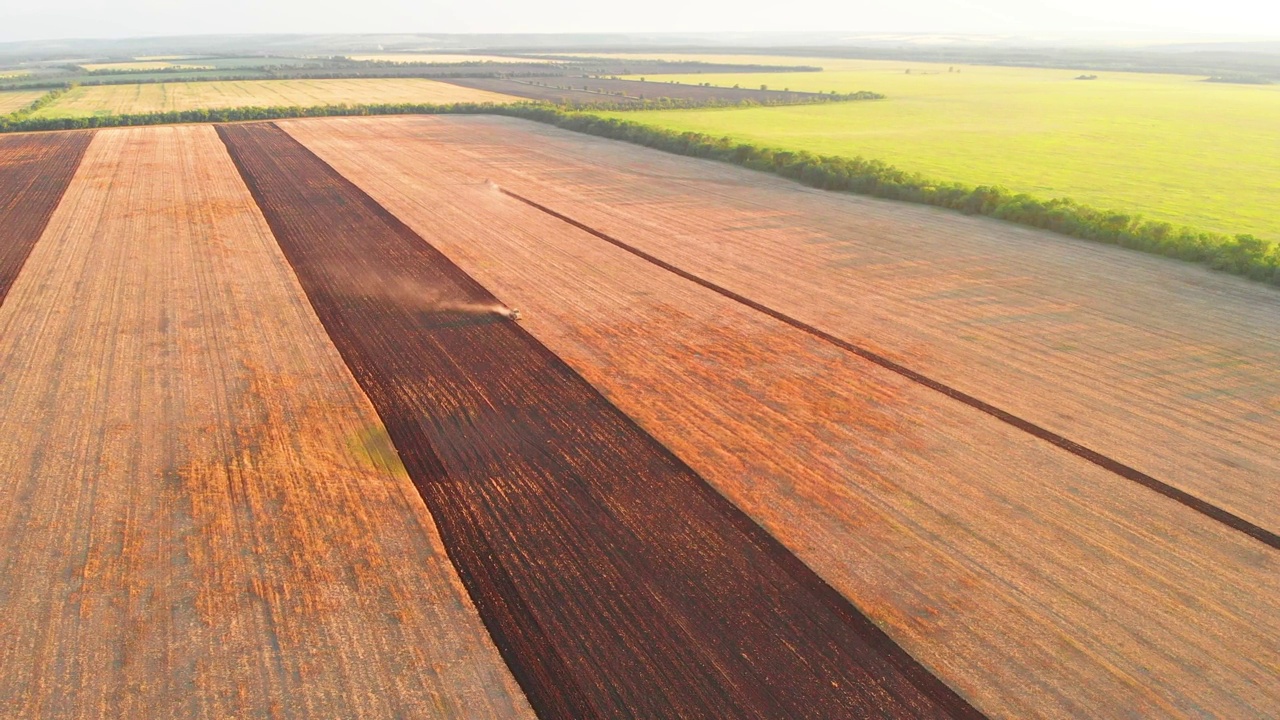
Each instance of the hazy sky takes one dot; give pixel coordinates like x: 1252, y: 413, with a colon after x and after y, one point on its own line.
x: 26, y: 20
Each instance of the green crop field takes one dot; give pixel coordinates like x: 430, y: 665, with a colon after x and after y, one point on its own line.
x: 1169, y: 147
x: 101, y: 100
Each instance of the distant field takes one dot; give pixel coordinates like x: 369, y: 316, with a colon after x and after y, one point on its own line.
x: 608, y: 90
x: 253, y: 61
x: 13, y: 101
x: 181, y: 75
x: 161, y: 97
x: 142, y: 65
x: 1170, y: 147
x: 441, y: 58
x: 160, y: 62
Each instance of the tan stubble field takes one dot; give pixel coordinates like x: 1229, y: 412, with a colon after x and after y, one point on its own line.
x: 198, y: 501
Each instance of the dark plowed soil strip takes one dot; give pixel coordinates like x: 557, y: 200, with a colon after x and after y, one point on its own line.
x: 34, y: 173
x: 613, y: 579
x: 1226, y: 518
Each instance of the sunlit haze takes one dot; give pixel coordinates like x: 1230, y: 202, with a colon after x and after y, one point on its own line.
x: 134, y: 18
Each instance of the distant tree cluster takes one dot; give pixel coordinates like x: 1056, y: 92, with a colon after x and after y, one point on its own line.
x: 1241, y: 79
x: 40, y: 102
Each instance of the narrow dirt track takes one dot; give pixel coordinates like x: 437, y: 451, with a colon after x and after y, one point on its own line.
x: 1168, y: 368
x: 1235, y: 522
x: 614, y: 580
x: 34, y: 173
x: 200, y: 513
x: 1038, y: 584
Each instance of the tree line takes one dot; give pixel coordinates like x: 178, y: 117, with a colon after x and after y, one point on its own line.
x: 1244, y: 255
x: 1241, y: 79
x: 42, y: 101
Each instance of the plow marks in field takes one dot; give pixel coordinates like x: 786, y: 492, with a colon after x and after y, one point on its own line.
x: 34, y: 172
x: 736, y: 460
x: 195, y: 520
x: 1035, y: 582
x: 1127, y: 354
x: 613, y: 579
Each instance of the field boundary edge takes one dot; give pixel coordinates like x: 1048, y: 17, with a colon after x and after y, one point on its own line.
x: 29, y: 230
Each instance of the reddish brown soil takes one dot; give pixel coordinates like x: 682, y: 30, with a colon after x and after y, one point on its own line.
x: 613, y: 579
x: 1038, y: 584
x: 34, y: 173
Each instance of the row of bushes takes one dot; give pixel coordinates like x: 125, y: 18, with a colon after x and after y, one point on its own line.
x: 42, y: 101
x: 1244, y: 255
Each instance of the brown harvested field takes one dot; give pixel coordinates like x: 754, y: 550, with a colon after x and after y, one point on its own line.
x: 1164, y: 366
x: 593, y: 89
x: 1035, y: 583
x: 615, y: 581
x: 34, y: 173
x: 200, y: 512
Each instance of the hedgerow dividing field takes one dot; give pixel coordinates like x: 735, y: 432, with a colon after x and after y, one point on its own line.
x: 1169, y: 147
x: 15, y: 100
